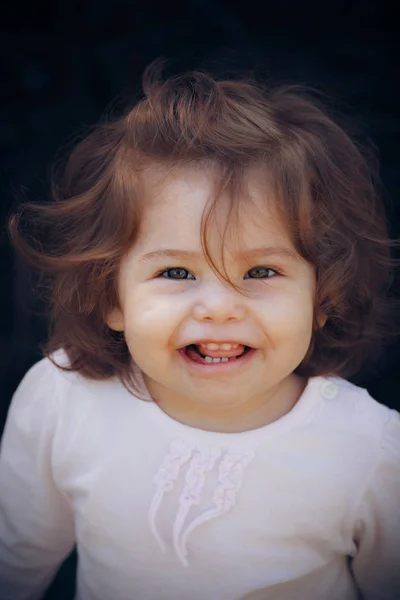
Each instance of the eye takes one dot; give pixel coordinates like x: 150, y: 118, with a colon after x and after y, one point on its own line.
x: 260, y: 273
x: 176, y: 273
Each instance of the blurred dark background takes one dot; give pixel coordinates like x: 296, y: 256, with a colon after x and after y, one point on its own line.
x: 63, y: 63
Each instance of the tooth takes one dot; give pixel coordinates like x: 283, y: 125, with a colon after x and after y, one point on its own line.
x: 226, y: 346
x: 212, y: 346
x: 209, y: 360
x: 223, y: 346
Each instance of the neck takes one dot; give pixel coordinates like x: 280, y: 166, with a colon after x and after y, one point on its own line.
x: 253, y: 414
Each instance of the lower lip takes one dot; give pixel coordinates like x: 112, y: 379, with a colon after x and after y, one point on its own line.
x: 219, y: 368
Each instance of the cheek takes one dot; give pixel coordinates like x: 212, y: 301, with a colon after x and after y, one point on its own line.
x: 149, y: 327
x: 287, y: 315
x: 148, y: 318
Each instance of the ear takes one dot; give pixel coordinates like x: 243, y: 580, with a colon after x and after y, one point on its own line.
x: 115, y: 320
x: 321, y: 320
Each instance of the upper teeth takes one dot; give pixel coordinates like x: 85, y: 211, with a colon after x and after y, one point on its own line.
x: 224, y: 346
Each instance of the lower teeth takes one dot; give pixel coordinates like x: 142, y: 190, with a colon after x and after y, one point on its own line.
x: 208, y: 359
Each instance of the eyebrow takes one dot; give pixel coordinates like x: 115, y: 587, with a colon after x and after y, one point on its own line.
x: 267, y: 251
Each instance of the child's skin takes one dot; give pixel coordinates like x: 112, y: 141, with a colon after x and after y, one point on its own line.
x: 160, y: 315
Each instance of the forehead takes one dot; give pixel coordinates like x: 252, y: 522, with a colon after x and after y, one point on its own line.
x: 175, y: 201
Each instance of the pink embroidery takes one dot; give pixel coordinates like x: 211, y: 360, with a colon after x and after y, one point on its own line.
x: 165, y: 480
x: 202, y: 460
x: 230, y: 477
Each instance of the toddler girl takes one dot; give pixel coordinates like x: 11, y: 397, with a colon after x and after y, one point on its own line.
x: 219, y: 262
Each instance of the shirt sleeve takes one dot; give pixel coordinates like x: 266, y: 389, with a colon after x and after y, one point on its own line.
x: 36, y: 521
x: 376, y: 565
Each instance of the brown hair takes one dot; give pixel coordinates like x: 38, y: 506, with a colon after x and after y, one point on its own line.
x: 323, y: 186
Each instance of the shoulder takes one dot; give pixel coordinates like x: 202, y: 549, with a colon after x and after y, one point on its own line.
x: 51, y: 375
x: 35, y: 403
x: 45, y: 379
x: 68, y: 411
x: 354, y: 437
x: 351, y: 410
x: 50, y: 390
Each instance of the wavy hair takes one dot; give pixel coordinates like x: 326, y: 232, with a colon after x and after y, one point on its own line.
x: 325, y: 187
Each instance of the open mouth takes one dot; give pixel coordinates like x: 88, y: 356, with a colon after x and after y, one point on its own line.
x: 193, y: 352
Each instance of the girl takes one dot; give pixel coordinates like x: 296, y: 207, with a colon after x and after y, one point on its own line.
x: 219, y: 263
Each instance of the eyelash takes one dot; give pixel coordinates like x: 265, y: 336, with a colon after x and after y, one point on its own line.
x: 165, y: 270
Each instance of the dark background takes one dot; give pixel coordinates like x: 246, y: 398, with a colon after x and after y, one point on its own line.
x: 63, y: 63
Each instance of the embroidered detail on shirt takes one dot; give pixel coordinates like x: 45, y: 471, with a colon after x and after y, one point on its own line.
x: 202, y: 461
x: 165, y: 480
x: 233, y: 462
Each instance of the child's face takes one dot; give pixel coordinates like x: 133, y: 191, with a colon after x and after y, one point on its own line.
x: 163, y: 315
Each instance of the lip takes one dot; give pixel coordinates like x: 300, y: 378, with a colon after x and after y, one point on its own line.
x: 221, y: 368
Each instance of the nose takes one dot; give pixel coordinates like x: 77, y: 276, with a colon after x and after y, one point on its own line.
x: 219, y: 303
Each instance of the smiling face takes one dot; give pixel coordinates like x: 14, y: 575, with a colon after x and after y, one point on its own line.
x: 174, y: 308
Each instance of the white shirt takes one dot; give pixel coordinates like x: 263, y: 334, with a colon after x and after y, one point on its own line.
x: 307, y: 507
